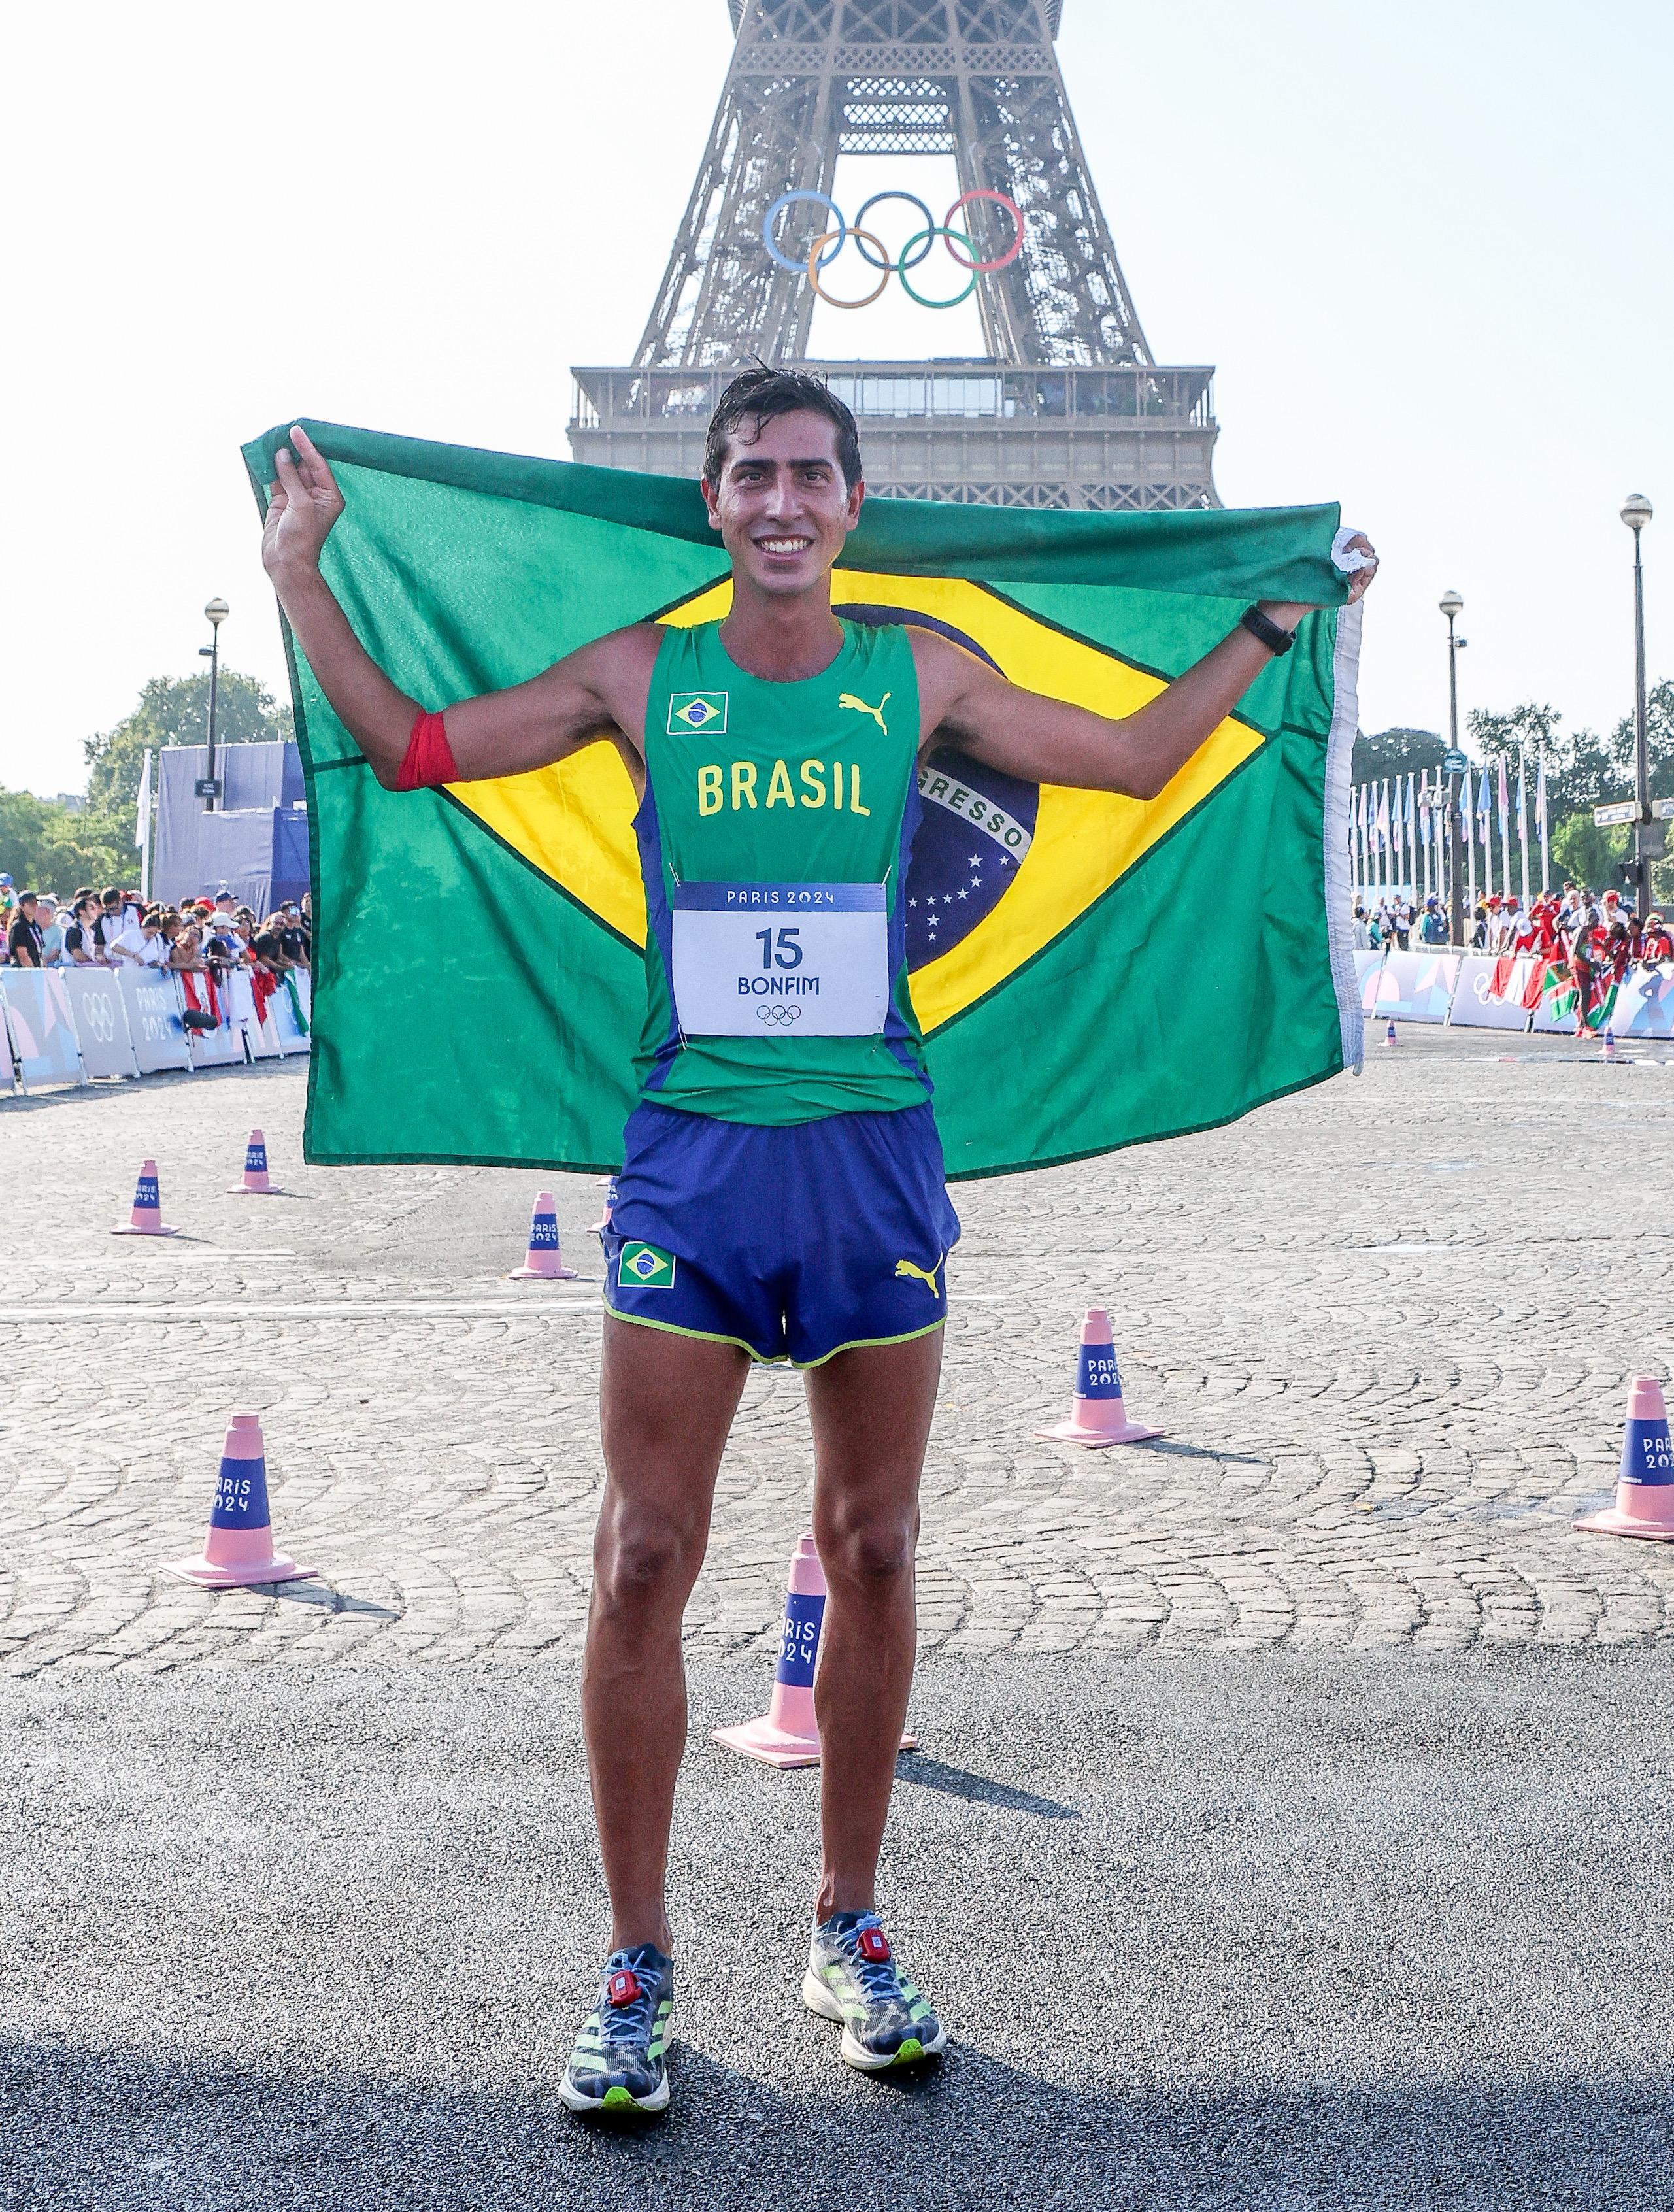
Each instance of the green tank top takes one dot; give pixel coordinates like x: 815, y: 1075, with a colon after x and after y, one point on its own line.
x: 775, y: 833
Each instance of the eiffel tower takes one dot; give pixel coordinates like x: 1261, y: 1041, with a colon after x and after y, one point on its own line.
x: 1068, y: 407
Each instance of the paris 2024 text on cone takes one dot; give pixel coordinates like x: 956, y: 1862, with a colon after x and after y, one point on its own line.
x: 1097, y: 1415
x: 789, y: 1733
x: 255, y: 1183
x: 237, y: 1544
x: 1645, y: 1488
x: 545, y: 1262
x: 147, y: 1218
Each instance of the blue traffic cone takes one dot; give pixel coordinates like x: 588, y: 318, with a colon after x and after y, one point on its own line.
x: 1645, y: 1486
x: 1097, y: 1415
x: 237, y: 1545
x: 255, y: 1182
x: 147, y: 1218
x: 545, y: 1262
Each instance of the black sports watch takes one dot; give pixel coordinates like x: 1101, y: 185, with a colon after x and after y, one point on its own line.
x: 1276, y: 640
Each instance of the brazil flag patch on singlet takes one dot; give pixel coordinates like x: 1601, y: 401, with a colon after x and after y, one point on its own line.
x: 702, y: 712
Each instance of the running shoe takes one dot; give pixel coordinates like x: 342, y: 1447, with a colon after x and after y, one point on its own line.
x: 852, y: 1976
x: 617, y: 2064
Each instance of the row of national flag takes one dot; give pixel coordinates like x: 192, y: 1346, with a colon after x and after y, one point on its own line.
x: 1398, y: 831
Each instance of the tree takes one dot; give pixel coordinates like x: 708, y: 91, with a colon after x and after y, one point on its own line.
x: 174, y: 710
x: 1395, y: 753
x: 45, y: 847
x: 1582, y: 853
x: 1584, y: 770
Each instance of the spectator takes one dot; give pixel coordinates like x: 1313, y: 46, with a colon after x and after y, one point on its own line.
x: 1618, y: 950
x: 239, y: 932
x: 142, y: 943
x: 1362, y: 934
x: 111, y: 923
x: 1582, y: 972
x: 1659, y: 945
x: 51, y: 918
x: 183, y: 951
x: 23, y: 935
x: 268, y: 947
x: 1432, y: 930
x: 291, y: 936
x: 78, y: 933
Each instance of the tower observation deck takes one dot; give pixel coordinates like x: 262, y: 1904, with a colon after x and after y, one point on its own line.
x: 1067, y: 408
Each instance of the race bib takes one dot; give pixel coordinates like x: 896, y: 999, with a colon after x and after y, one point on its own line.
x: 782, y: 959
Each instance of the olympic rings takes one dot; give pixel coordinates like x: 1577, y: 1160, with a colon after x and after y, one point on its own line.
x: 778, y: 208
x: 825, y: 248
x: 1011, y: 208
x: 913, y: 200
x: 941, y: 230
x: 814, y: 264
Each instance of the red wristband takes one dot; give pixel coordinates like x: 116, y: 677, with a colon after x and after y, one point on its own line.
x: 428, y: 760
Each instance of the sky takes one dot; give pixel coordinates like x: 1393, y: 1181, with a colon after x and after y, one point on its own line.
x: 1427, y: 248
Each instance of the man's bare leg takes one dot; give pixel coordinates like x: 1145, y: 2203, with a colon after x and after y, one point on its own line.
x: 667, y: 1404
x: 872, y: 1410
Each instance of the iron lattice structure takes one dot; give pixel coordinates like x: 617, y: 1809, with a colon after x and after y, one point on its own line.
x: 1068, y: 408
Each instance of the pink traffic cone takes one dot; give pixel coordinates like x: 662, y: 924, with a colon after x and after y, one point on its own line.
x: 789, y: 1735
x: 1644, y: 1487
x: 1097, y: 1415
x: 237, y: 1544
x: 147, y: 1218
x: 1389, y: 1034
x: 255, y: 1169
x: 545, y: 1263
x: 1609, y: 1044
x: 598, y: 1227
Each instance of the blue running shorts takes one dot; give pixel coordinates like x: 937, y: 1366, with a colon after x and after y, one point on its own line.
x: 795, y: 1242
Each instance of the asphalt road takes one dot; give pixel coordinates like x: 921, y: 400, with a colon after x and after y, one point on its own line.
x: 1211, y: 1931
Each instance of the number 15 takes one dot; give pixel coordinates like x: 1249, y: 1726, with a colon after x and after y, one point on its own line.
x: 789, y: 952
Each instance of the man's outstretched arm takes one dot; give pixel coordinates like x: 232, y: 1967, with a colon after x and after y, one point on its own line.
x: 1047, y: 741
x: 598, y: 691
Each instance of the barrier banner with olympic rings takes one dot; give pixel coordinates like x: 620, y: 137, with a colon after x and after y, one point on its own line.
x: 824, y: 249
x: 1052, y: 939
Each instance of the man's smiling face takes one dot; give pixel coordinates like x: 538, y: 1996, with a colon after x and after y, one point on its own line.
x: 781, y: 505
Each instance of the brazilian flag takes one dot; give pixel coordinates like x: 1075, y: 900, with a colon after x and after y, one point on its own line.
x: 1090, y: 971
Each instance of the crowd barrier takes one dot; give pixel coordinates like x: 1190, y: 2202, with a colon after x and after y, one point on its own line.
x: 67, y: 1025
x: 1479, y: 991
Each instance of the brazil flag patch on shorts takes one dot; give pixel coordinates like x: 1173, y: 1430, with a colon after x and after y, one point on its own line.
x: 645, y: 1267
x: 702, y: 712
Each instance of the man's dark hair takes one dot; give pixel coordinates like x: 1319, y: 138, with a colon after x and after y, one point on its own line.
x: 761, y: 394
x: 105, y: 897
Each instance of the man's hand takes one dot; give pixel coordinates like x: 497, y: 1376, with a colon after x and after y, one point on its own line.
x: 1287, y: 615
x: 303, y: 506
x: 1361, y: 581
x: 1047, y: 741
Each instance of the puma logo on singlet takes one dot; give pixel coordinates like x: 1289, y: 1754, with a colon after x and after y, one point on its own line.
x: 927, y: 1277
x: 859, y: 706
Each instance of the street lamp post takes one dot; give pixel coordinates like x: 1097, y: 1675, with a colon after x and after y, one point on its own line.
x: 1453, y: 606
x: 1636, y: 512
x: 216, y: 612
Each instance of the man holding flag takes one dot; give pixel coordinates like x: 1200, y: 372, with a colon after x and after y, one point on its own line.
x: 783, y: 1194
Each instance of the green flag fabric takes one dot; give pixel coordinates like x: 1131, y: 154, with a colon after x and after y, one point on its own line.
x: 1090, y: 971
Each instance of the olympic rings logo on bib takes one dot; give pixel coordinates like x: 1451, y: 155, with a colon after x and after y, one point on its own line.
x: 780, y: 1017
x: 825, y: 248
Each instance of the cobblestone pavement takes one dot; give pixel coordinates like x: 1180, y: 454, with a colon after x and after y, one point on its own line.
x: 1387, y: 1326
